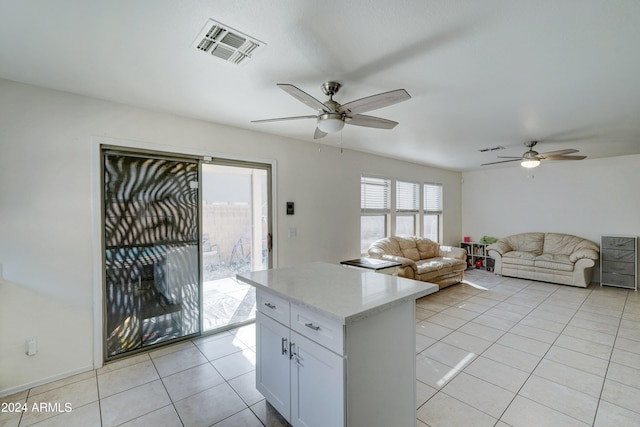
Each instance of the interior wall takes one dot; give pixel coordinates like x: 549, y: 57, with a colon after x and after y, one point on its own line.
x: 587, y: 198
x: 48, y: 211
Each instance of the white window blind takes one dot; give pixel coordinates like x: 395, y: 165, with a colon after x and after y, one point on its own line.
x: 407, y: 199
x: 375, y: 195
x: 432, y: 198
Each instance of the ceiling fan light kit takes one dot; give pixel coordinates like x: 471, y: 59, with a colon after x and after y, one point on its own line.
x: 530, y: 159
x: 330, y: 122
x: 530, y: 163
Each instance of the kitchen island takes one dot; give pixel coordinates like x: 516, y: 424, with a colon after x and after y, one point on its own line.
x: 335, y: 346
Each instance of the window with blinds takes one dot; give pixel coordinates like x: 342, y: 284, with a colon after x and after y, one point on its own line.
x: 432, y: 198
x: 375, y: 195
x: 432, y: 208
x: 400, y: 212
x: 407, y: 196
x: 375, y: 205
x: 407, y: 206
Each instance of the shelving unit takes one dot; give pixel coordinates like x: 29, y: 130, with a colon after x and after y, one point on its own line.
x: 477, y: 252
x: 619, y: 261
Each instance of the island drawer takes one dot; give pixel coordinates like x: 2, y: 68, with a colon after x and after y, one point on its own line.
x: 273, y: 306
x: 327, y: 332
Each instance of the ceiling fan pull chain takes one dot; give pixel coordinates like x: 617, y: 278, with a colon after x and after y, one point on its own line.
x: 341, y: 151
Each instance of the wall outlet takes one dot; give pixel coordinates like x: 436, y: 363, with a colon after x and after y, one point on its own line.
x: 32, y: 346
x: 293, y: 232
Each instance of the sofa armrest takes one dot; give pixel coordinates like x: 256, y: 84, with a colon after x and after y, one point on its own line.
x: 452, y: 252
x: 584, y: 253
x: 501, y: 247
x: 406, y: 262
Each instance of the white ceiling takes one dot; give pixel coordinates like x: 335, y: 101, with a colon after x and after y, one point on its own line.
x: 480, y: 73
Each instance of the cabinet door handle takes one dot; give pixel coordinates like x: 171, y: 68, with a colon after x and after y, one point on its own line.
x: 271, y: 306
x: 292, y: 349
x: 312, y: 326
x: 284, y: 346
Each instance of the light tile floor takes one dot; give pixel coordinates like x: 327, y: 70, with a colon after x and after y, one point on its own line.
x: 492, y: 351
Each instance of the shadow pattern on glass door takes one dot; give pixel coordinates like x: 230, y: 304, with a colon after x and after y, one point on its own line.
x: 151, y: 251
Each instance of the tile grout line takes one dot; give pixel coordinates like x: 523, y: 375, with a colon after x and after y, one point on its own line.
x: 173, y: 405
x: 99, y: 399
x: 613, y: 347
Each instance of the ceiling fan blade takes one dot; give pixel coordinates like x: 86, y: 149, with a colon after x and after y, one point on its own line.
x: 374, y: 102
x: 559, y: 152
x: 370, y: 122
x: 303, y: 96
x: 503, y: 161
x: 280, y: 119
x: 509, y: 157
x: 564, y: 157
x: 319, y: 134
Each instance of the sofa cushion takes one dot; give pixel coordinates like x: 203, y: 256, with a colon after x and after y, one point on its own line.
x: 566, y: 244
x: 554, y: 262
x: 436, y: 267
x: 443, y: 265
x: 527, y: 242
x: 519, y: 258
x: 409, y: 248
x: 427, y: 248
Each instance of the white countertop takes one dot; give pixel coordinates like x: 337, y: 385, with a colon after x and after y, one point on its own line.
x: 343, y: 293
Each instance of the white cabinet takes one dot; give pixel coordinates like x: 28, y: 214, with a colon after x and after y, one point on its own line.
x: 301, y: 379
x: 336, y: 346
x: 317, y: 385
x: 273, y: 363
x: 317, y: 372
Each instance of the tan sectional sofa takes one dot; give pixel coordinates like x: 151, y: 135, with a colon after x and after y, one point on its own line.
x: 548, y: 257
x: 422, y: 259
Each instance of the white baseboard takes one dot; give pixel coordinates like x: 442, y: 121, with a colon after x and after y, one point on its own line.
x: 17, y: 389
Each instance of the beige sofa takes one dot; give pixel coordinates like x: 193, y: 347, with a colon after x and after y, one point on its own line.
x: 422, y: 259
x: 548, y: 257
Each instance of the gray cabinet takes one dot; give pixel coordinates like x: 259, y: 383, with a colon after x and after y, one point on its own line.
x: 619, y: 261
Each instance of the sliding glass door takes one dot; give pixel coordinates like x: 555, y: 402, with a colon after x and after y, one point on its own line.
x: 151, y: 250
x: 176, y: 232
x: 236, y: 238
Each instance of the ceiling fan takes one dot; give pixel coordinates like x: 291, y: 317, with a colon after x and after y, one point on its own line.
x: 532, y: 158
x: 332, y: 115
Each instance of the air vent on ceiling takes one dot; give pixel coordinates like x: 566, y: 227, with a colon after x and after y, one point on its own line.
x: 225, y: 43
